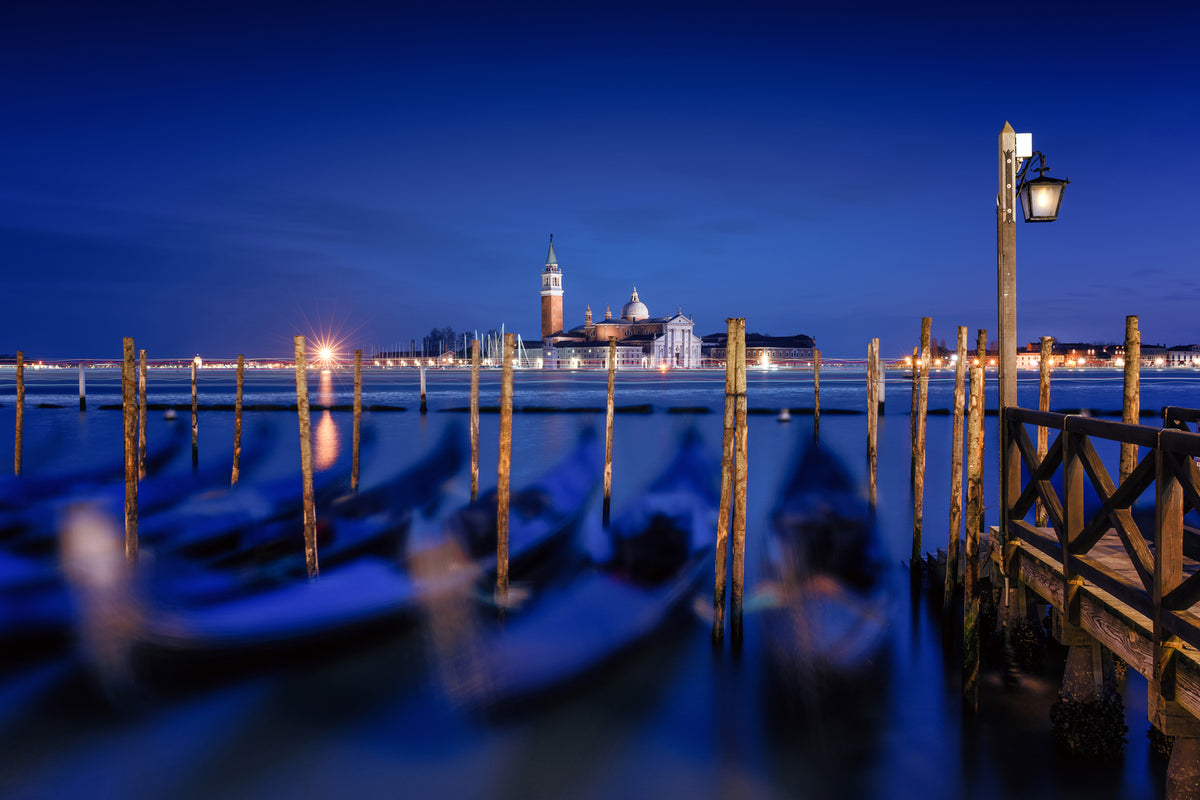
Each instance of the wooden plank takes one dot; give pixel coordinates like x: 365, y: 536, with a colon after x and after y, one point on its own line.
x: 1039, y: 538
x: 1183, y: 624
x: 1045, y: 419
x: 1117, y: 626
x: 1112, y: 431
x: 1187, y: 682
x: 1108, y: 577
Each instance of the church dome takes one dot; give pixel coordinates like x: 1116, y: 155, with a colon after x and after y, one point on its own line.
x: 635, y: 309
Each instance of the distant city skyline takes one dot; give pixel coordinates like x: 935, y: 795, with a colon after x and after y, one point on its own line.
x: 218, y: 179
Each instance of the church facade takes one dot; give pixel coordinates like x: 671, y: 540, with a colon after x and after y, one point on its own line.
x: 642, y: 340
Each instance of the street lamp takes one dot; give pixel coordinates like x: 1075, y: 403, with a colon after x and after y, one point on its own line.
x: 1041, y: 198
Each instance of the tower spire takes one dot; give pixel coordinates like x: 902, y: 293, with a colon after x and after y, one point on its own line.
x: 551, y: 259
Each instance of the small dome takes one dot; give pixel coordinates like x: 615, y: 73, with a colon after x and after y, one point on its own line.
x: 635, y: 309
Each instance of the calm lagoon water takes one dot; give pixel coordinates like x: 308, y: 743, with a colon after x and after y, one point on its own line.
x: 675, y: 719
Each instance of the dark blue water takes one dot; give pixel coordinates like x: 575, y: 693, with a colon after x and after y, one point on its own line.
x: 674, y: 719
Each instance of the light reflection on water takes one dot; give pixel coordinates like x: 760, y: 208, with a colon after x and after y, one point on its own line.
x: 675, y: 719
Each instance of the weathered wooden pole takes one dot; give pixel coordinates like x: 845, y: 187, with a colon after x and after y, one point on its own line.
x: 129, y: 417
x: 970, y: 669
x: 356, y: 436
x: 956, y: 473
x: 82, y: 388
x: 816, y: 395
x: 20, y: 434
x: 1043, y: 405
x: 424, y: 408
x: 608, y: 426
x: 740, y: 467
x: 504, y: 469
x: 872, y: 420
x: 306, y: 459
x: 195, y: 419
x: 729, y: 432
x: 981, y: 352
x: 921, y: 368
x: 474, y: 419
x: 237, y: 420
x: 1132, y: 405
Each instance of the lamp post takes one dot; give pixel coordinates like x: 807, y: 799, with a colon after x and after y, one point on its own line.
x: 1041, y: 198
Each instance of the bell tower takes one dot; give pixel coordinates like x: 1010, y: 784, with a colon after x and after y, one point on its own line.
x: 552, y: 294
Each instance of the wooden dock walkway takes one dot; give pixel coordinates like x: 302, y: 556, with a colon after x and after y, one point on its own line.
x: 1115, y: 574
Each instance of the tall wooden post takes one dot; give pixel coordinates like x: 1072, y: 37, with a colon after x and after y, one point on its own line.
x: 505, y: 469
x: 424, y: 408
x: 608, y: 426
x: 237, y: 421
x: 872, y: 420
x: 816, y: 395
x: 1131, y: 408
x: 195, y: 420
x: 1006, y: 303
x: 356, y: 436
x: 981, y: 354
x: 921, y: 369
x: 141, y: 414
x: 129, y: 417
x: 20, y: 433
x: 82, y: 388
x: 956, y: 473
x: 739, y: 492
x: 306, y: 459
x: 970, y: 670
x: 1046, y: 354
x: 729, y: 432
x: 474, y: 419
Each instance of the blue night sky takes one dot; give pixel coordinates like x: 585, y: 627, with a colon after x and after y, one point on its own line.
x: 219, y: 179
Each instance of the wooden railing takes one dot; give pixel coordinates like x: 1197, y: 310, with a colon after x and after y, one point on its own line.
x: 1153, y: 570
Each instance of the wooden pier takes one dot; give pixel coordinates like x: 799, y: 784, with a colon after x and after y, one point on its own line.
x: 1131, y: 588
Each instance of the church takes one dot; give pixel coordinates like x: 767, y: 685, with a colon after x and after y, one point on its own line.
x: 642, y: 340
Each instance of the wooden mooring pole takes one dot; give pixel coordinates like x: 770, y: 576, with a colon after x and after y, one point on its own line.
x: 424, y: 408
x: 921, y: 369
x: 1131, y: 408
x: 970, y: 668
x: 306, y: 459
x: 872, y: 421
x: 356, y: 436
x: 82, y: 388
x: 608, y: 426
x: 728, y: 434
x: 1046, y: 353
x: 20, y: 433
x: 474, y: 419
x: 195, y: 419
x: 129, y: 417
x: 141, y: 414
x: 950, y: 584
x: 504, y: 470
x: 740, y: 465
x: 816, y: 395
x: 981, y: 351
x: 237, y: 421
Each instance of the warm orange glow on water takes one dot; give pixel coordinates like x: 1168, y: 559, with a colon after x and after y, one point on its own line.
x: 325, y: 390
x: 327, y: 444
